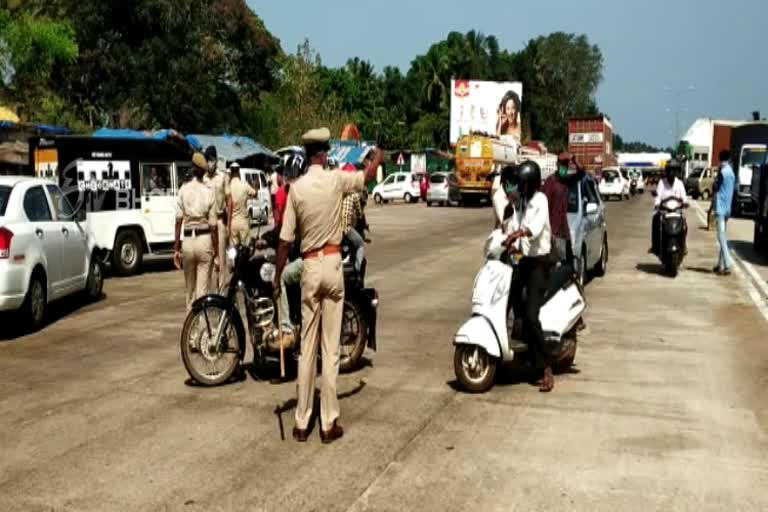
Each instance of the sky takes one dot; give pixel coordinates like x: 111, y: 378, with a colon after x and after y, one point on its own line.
x: 714, y: 53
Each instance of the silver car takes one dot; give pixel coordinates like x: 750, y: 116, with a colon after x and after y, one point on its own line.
x: 443, y: 189
x: 586, y: 220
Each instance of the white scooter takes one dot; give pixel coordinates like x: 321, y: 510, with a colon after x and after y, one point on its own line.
x: 484, y: 340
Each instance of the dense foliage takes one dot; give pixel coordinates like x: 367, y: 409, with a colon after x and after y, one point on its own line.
x: 212, y: 66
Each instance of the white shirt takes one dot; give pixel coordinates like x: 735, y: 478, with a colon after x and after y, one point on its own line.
x: 500, y: 202
x: 535, y: 218
x: 664, y: 191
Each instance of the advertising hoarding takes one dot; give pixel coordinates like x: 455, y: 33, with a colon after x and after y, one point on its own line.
x: 488, y: 107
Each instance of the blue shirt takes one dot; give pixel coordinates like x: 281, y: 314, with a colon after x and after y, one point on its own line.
x: 724, y: 196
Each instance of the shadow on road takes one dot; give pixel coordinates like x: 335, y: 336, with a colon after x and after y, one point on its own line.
x: 651, y: 268
x: 699, y: 270
x: 746, y: 251
x: 14, y: 328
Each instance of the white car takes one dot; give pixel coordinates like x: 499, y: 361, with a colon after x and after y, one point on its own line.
x: 259, y: 207
x: 46, y: 252
x: 613, y: 184
x: 399, y: 185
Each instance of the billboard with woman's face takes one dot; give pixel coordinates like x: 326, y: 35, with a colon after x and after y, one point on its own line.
x: 488, y: 107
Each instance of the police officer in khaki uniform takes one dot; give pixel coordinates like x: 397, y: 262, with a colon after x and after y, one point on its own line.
x: 196, y: 213
x: 217, y: 182
x: 314, y: 209
x: 237, y: 204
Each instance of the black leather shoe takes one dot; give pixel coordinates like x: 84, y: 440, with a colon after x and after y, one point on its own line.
x: 301, y: 435
x: 336, y: 432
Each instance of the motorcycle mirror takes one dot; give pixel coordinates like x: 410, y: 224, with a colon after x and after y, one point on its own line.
x: 591, y: 208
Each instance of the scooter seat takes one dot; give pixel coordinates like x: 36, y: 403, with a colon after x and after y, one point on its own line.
x: 560, y: 278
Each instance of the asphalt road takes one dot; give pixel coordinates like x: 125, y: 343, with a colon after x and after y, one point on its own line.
x: 666, y: 409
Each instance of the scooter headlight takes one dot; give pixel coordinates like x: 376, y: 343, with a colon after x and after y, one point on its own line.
x: 267, y: 272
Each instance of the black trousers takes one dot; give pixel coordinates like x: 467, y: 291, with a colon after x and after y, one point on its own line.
x: 532, y: 276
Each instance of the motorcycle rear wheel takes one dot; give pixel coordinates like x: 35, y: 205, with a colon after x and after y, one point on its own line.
x: 207, y: 364
x: 354, y: 336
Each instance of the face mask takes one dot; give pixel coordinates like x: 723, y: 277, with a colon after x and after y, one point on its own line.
x: 510, y: 189
x: 562, y: 171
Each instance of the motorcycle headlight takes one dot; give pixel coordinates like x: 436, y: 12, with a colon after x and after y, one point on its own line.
x: 231, y: 256
x: 267, y: 272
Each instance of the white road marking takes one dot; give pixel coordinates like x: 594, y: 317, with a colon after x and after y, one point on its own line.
x: 751, y: 280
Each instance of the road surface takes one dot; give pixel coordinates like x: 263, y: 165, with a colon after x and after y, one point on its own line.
x: 666, y: 409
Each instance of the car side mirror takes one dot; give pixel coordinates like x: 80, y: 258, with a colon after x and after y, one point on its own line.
x: 591, y: 208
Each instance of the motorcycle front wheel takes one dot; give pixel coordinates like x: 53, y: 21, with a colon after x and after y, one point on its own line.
x: 475, y: 369
x: 210, y: 363
x: 673, y: 264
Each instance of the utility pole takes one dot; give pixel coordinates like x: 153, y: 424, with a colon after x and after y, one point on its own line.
x: 677, y: 93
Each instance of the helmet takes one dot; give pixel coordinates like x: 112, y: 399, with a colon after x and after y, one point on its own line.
x: 295, y: 166
x: 529, y: 174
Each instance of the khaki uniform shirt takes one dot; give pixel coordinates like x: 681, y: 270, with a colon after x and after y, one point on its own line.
x: 314, y: 207
x: 195, y: 205
x: 217, y: 183
x: 240, y: 191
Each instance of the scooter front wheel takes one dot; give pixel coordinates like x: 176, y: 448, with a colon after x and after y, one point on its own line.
x: 475, y: 369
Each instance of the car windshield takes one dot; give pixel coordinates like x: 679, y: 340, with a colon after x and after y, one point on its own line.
x: 697, y: 173
x: 5, y: 193
x: 609, y: 176
x: 753, y: 156
x: 573, y: 198
x: 437, y: 178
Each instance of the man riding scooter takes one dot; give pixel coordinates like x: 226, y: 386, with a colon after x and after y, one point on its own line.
x: 530, y: 234
x: 670, y: 186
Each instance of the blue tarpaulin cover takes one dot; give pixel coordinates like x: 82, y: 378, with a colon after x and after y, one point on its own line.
x: 230, y: 147
x: 350, y: 152
x: 43, y: 128
x: 111, y: 133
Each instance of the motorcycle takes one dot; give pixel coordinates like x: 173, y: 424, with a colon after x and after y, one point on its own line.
x: 213, y: 343
x: 673, y: 235
x: 633, y: 187
x: 488, y: 338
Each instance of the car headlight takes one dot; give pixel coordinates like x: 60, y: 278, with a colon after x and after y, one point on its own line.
x: 267, y: 272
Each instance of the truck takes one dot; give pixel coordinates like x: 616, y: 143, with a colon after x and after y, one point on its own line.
x: 590, y: 140
x: 749, y: 148
x: 127, y: 187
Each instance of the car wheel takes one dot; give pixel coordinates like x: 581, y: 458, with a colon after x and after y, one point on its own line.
x: 377, y: 199
x: 429, y: 203
x: 408, y: 198
x: 602, y: 266
x: 128, y: 253
x: 442, y: 203
x: 35, y: 303
x: 583, y: 267
x: 95, y: 282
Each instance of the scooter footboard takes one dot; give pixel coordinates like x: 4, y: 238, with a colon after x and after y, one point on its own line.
x: 479, y: 331
x: 562, y: 311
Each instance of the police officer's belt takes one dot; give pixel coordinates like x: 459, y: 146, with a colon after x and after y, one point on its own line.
x: 328, y: 249
x: 197, y: 231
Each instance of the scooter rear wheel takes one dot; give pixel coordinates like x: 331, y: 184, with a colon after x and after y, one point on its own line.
x: 475, y: 369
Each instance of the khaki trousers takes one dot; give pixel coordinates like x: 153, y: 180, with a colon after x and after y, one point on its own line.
x: 219, y: 278
x: 322, y: 305
x: 240, y: 231
x: 197, y: 254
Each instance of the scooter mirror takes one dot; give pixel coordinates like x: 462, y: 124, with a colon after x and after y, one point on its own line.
x: 591, y: 209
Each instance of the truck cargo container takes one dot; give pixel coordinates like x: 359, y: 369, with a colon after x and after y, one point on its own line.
x: 590, y: 140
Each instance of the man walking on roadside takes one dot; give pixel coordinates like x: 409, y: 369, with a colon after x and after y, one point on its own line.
x: 313, y: 212
x: 556, y: 190
x: 724, y: 189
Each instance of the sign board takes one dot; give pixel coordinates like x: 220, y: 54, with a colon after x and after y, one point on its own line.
x: 400, y: 160
x: 586, y: 138
x: 487, y: 107
x: 98, y: 175
x: 419, y: 163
